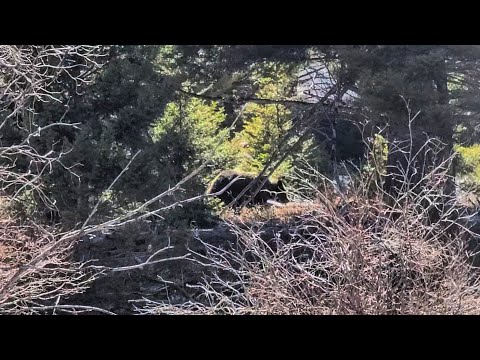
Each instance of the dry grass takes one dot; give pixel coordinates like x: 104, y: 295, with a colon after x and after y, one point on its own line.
x: 265, y: 213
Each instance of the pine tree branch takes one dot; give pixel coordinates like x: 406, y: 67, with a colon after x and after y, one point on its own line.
x: 249, y: 99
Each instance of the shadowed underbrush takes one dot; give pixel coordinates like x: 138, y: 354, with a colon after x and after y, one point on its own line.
x: 344, y: 253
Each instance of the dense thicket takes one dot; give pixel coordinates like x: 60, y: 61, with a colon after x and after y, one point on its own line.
x: 246, y: 108
x: 95, y: 139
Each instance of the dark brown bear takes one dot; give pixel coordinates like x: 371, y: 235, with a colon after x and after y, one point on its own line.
x: 239, y: 181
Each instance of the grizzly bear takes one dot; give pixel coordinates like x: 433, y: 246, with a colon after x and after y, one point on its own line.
x: 230, y: 183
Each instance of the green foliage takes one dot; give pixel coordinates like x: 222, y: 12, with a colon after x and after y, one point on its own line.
x: 469, y: 166
x: 167, y: 59
x: 26, y: 205
x: 139, y: 102
x: 376, y: 167
x: 377, y: 156
x: 190, y: 133
x: 264, y: 125
x: 197, y: 126
x: 114, y: 112
x: 261, y: 134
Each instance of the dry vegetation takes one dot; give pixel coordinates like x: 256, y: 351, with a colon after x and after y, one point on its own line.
x: 349, y: 253
x: 334, y: 252
x: 358, y: 251
x: 36, y: 269
x: 330, y: 253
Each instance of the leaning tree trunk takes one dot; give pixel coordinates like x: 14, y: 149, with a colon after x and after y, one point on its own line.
x: 445, y: 129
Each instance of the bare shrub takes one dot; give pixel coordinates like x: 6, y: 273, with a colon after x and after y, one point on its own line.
x: 27, y: 73
x: 30, y: 74
x: 36, y: 270
x: 353, y: 252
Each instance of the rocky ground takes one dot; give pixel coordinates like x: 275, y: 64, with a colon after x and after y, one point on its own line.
x: 167, y: 282
x: 120, y: 291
